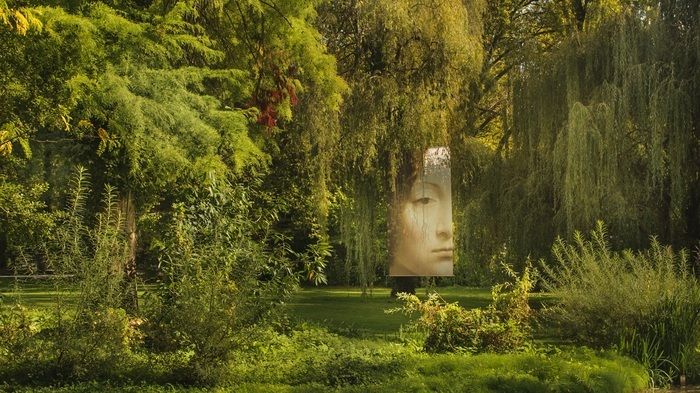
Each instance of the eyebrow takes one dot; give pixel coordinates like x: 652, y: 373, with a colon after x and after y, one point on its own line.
x: 420, y: 185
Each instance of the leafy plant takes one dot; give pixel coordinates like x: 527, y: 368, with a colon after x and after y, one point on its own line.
x: 91, y: 334
x: 313, y: 260
x: 502, y: 327
x: 219, y: 280
x: 645, y: 303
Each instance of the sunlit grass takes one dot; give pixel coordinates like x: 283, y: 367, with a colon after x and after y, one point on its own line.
x: 343, y: 310
x: 40, y: 293
x: 346, y: 311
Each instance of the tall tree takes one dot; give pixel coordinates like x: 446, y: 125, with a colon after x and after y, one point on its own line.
x: 157, y: 97
x: 604, y: 127
x: 405, y: 62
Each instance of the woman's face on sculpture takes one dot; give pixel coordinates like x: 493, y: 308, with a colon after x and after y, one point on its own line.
x: 423, y: 244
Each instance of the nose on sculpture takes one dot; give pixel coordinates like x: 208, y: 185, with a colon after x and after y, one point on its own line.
x: 443, y: 228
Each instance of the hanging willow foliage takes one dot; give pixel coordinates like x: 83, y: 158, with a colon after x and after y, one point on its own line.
x: 405, y: 62
x: 625, y: 153
x: 605, y: 128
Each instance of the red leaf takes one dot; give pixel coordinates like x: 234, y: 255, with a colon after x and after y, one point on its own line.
x: 293, y: 97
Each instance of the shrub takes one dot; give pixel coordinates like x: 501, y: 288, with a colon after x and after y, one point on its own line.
x: 98, y: 345
x: 502, y: 327
x: 645, y: 303
x: 92, y: 336
x: 18, y: 348
x: 223, y: 273
x: 218, y: 280
x: 24, y: 220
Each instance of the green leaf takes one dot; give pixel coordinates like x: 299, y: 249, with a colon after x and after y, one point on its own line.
x: 26, y: 149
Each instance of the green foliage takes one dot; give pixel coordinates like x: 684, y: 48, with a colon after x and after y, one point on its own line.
x: 311, y: 359
x: 164, y: 99
x: 603, y: 127
x: 93, y: 335
x: 502, y: 327
x: 314, y: 260
x: 405, y: 62
x: 88, y: 254
x: 219, y: 280
x: 18, y: 20
x: 646, y: 303
x: 154, y: 98
x: 161, y: 101
x: 307, y: 358
x: 23, y: 218
x: 19, y: 328
x: 311, y: 355
x: 277, y: 366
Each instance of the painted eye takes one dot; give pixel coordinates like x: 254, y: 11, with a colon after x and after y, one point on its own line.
x: 423, y: 201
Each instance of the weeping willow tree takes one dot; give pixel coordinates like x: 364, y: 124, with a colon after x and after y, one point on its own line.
x: 607, y: 127
x: 404, y: 62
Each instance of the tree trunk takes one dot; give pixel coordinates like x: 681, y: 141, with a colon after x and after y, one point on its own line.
x: 130, y: 300
x: 3, y: 251
x: 404, y: 284
x: 580, y: 8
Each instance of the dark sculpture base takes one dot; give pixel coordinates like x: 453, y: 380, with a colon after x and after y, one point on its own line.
x: 404, y: 284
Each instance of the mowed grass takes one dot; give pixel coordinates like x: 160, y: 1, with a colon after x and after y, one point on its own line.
x: 41, y: 293
x: 345, y: 310
x: 342, y: 310
x: 37, y: 293
x: 362, y: 357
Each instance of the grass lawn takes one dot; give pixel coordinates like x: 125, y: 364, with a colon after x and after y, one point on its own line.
x: 342, y: 310
x: 366, y: 353
x: 345, y: 311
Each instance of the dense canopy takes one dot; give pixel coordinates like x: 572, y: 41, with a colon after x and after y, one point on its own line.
x: 558, y: 114
x: 227, y: 153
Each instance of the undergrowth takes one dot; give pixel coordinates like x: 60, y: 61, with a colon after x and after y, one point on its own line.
x: 504, y: 326
x: 310, y: 359
x: 646, y: 303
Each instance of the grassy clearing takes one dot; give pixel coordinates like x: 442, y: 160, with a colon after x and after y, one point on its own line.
x: 39, y: 294
x: 345, y: 342
x: 342, y: 310
x: 33, y: 293
x: 345, y: 311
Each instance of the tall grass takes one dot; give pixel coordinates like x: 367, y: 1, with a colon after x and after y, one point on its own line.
x: 646, y: 303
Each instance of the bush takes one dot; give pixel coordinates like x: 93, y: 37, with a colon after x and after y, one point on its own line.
x: 218, y: 281
x: 223, y: 273
x: 98, y: 345
x: 502, y: 327
x: 647, y: 303
x: 24, y: 220
x: 92, y: 336
x: 18, y: 348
